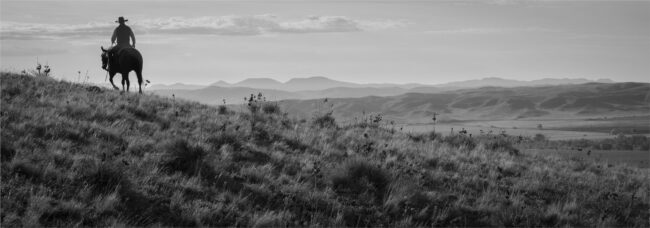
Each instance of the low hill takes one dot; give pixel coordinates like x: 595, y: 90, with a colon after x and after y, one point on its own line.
x: 584, y: 100
x: 75, y: 155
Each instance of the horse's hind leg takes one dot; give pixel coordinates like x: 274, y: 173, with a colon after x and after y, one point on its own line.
x: 125, y: 80
x: 139, y: 74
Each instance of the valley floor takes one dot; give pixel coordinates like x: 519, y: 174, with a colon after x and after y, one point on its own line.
x: 639, y: 159
x: 554, y: 129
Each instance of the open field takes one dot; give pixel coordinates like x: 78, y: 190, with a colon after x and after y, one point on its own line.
x: 552, y: 129
x: 639, y: 159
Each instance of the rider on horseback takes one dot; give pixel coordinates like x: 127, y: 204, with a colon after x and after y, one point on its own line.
x: 123, y: 35
x: 123, y: 57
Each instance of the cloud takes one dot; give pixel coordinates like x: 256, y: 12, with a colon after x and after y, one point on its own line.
x: 223, y: 25
x: 14, y: 50
x: 488, y: 31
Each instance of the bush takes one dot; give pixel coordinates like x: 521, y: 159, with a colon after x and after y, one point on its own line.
x: 434, y: 135
x: 459, y: 140
x: 7, y: 151
x: 358, y: 176
x: 270, y: 219
x: 499, y: 144
x: 224, y: 138
x: 27, y: 170
x: 539, y: 137
x: 417, y: 137
x: 63, y: 215
x: 270, y: 108
x: 222, y: 110
x: 253, y: 107
x: 261, y: 135
x: 105, y: 179
x: 606, y: 146
x: 325, y: 121
x: 180, y: 156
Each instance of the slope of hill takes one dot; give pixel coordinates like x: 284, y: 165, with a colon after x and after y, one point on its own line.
x: 76, y: 155
x: 584, y: 100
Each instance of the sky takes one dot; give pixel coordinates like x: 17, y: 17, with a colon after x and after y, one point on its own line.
x: 381, y: 41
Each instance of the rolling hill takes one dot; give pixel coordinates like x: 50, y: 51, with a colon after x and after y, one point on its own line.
x: 81, y: 155
x: 563, y: 101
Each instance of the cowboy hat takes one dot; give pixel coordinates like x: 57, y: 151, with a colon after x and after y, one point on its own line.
x: 121, y: 20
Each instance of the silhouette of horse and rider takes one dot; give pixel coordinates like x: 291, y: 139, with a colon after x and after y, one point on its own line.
x: 122, y: 57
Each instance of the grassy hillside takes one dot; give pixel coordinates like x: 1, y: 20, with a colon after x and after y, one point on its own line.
x: 74, y: 155
x: 489, y: 103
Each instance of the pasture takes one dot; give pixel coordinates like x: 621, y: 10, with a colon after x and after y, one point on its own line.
x: 639, y: 159
x: 555, y: 129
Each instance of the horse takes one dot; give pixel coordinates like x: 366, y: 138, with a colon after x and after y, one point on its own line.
x: 123, y: 61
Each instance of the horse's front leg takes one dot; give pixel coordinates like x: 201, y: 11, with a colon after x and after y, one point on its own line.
x: 111, y: 79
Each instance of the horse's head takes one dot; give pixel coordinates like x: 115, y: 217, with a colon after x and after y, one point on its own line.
x: 104, y: 59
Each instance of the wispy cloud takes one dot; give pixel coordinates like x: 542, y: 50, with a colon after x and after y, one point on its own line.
x: 487, y: 31
x: 223, y: 25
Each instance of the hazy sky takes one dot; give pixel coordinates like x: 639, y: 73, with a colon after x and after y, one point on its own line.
x: 397, y: 41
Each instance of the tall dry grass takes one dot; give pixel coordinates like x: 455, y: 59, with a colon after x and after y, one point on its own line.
x: 74, y: 156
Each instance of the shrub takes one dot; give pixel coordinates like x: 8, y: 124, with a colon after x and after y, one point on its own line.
x: 270, y: 108
x: 105, y: 179
x: 253, y: 107
x: 358, y: 176
x: 434, y: 135
x: 270, y: 219
x: 139, y: 148
x: 459, y: 140
x: 325, y: 121
x: 499, y: 144
x: 417, y: 137
x: 224, y: 138
x: 27, y: 170
x: 63, y: 215
x: 539, y: 137
x: 222, y: 110
x: 7, y: 151
x: 606, y: 146
x: 261, y: 135
x: 180, y: 156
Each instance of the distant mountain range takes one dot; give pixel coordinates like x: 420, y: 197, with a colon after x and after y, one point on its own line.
x: 500, y: 82
x: 561, y: 101
x: 322, y: 87
x: 322, y: 83
x: 488, y: 98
